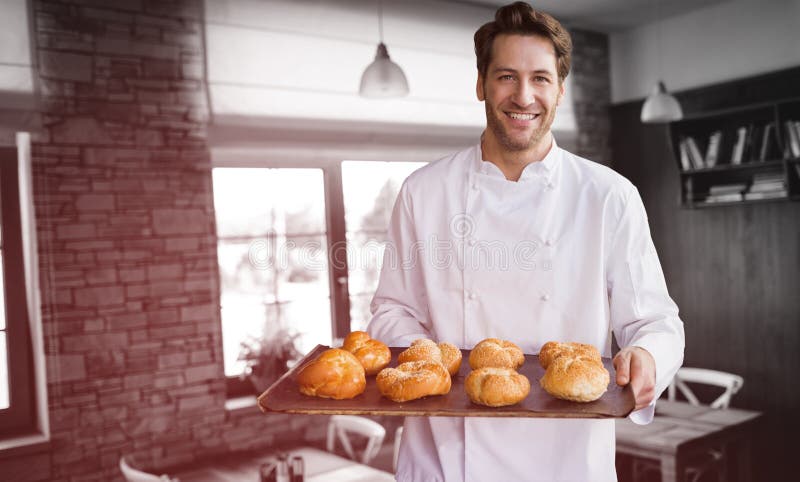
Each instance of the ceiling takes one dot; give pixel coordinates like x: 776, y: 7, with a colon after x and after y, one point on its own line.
x: 606, y: 15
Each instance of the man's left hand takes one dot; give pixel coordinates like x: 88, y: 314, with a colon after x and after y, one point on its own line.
x: 636, y: 366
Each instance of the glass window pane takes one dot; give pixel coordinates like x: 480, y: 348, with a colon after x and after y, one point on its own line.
x: 260, y: 201
x: 303, y: 268
x: 359, y: 311
x: 364, y: 260
x: 4, y: 387
x: 311, y: 318
x: 278, y: 256
x: 370, y: 189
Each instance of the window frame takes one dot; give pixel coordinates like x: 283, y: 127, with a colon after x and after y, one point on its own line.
x: 20, y: 416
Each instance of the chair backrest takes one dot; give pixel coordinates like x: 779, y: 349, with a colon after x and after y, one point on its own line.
x: 340, y: 426
x: 398, y: 434
x: 135, y: 475
x: 730, y: 382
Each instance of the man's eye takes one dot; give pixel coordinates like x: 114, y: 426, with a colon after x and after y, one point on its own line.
x: 506, y: 77
x: 542, y: 79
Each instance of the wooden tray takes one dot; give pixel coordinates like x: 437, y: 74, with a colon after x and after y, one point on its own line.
x: 284, y: 396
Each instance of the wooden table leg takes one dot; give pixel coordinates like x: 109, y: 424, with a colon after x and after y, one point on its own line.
x: 672, y: 470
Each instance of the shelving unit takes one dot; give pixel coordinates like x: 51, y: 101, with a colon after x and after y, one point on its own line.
x: 768, y: 167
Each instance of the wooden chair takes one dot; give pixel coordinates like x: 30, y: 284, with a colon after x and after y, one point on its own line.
x: 341, y: 427
x: 715, y: 459
x: 135, y: 475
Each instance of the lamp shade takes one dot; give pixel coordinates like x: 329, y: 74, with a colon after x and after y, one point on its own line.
x: 660, y: 106
x: 383, y: 78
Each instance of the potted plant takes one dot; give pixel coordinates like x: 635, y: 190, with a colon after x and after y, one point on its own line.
x: 267, y: 357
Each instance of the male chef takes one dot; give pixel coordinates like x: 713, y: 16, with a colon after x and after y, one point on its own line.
x: 518, y: 239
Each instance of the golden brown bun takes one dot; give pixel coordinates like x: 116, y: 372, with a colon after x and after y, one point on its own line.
x: 575, y: 378
x: 496, y: 387
x: 553, y: 349
x: 373, y: 354
x: 451, y: 357
x: 493, y: 352
x: 335, y: 373
x: 421, y: 349
x: 413, y: 380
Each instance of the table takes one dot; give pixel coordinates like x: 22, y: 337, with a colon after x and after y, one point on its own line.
x: 681, y: 431
x: 319, y: 466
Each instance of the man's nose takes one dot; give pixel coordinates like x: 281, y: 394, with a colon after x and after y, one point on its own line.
x: 524, y: 94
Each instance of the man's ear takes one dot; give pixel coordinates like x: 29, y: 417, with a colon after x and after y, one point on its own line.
x: 479, y: 88
x: 561, y: 91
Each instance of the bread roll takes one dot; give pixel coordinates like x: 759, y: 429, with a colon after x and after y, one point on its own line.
x: 553, y: 349
x: 413, y: 380
x: 451, y: 357
x: 421, y: 349
x: 577, y: 378
x: 496, y: 387
x: 373, y: 354
x: 493, y: 352
x: 335, y: 373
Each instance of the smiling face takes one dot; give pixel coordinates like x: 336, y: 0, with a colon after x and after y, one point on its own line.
x: 521, y: 90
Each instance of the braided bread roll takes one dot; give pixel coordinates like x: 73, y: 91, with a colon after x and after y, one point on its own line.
x: 553, y: 349
x: 573, y: 371
x: 373, y: 354
x: 493, y: 352
x: 423, y: 349
x: 413, y: 380
x: 496, y: 387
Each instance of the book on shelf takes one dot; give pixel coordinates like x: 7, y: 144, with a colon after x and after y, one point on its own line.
x: 738, y: 147
x: 724, y: 198
x: 694, y: 153
x: 767, y: 186
x: 720, y: 189
x: 792, y: 137
x: 686, y: 164
x: 765, y: 195
x: 750, y: 144
x: 771, y: 176
x: 712, y: 150
x: 768, y: 143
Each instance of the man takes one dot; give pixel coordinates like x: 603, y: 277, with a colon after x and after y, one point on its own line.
x: 518, y: 239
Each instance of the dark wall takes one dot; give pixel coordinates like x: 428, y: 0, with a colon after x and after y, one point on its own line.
x: 734, y: 271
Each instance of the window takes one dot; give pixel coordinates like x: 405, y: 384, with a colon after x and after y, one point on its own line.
x: 17, y: 402
x: 299, y: 250
x: 370, y: 189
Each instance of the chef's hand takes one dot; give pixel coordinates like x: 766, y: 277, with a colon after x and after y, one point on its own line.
x: 636, y: 366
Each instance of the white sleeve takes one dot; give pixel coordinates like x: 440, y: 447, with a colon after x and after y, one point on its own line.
x: 399, y: 307
x: 642, y: 312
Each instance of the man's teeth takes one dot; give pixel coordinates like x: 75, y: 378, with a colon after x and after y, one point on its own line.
x: 514, y: 115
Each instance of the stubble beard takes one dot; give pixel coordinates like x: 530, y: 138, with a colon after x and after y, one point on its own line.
x: 515, y: 144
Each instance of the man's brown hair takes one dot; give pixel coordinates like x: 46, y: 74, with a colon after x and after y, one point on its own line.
x: 519, y: 18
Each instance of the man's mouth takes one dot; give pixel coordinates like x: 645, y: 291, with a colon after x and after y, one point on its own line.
x: 522, y: 116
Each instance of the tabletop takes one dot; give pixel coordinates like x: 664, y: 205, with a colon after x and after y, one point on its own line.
x: 319, y: 466
x: 680, y: 431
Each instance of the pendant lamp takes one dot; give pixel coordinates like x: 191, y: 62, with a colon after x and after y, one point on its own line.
x: 383, y: 78
x: 660, y: 106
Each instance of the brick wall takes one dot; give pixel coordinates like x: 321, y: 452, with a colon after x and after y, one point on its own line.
x: 591, y: 95
x: 127, y: 249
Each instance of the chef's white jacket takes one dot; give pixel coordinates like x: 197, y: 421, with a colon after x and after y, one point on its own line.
x: 563, y: 254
